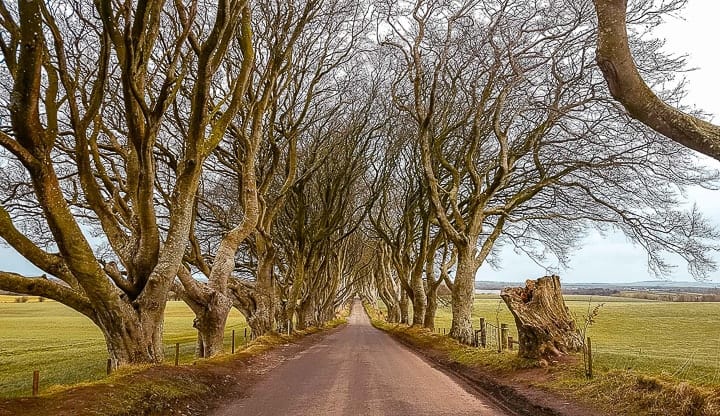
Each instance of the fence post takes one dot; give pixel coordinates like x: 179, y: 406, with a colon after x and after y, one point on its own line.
x: 232, y: 343
x: 109, y: 366
x: 483, y: 333
x: 504, y: 334
x: 177, y: 353
x: 589, y: 370
x: 443, y: 331
x: 510, y: 343
x: 36, y: 383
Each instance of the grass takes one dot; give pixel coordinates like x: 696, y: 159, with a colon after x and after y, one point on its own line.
x: 68, y: 348
x: 163, y: 389
x: 669, y: 339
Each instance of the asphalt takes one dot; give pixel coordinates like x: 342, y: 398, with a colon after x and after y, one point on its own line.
x: 358, y: 370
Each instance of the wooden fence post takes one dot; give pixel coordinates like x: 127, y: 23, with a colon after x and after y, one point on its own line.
x: 36, y: 383
x: 483, y: 333
x: 589, y: 370
x: 109, y: 366
x: 232, y: 343
x: 177, y: 353
x: 504, y: 334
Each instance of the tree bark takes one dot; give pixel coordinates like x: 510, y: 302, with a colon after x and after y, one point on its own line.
x: 627, y: 86
x: 132, y: 336
x: 210, y: 324
x: 431, y: 308
x: 463, y: 296
x: 545, y: 328
x: 306, y: 313
x: 404, y: 307
x: 263, y: 317
x: 419, y: 300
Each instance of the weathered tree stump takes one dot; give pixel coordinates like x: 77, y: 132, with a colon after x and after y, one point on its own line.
x: 545, y: 328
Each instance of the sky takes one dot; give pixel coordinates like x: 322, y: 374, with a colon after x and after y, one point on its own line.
x: 611, y: 258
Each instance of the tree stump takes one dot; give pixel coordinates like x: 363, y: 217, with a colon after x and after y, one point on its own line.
x: 545, y: 328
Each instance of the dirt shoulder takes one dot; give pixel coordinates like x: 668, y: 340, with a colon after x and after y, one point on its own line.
x: 187, y: 390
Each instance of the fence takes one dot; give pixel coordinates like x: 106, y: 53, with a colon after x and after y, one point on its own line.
x: 177, y: 353
x: 494, y: 336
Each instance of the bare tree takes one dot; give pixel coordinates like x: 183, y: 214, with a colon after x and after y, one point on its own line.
x: 293, y: 91
x: 519, y: 142
x: 91, y: 83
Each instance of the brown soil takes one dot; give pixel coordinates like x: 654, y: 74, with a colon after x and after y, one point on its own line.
x: 187, y: 390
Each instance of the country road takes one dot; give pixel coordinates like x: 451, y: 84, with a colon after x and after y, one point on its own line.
x: 358, y: 370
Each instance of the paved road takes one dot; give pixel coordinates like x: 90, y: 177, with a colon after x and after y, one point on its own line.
x: 358, y: 370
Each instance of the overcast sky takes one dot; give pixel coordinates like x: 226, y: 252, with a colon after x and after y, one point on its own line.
x: 610, y: 259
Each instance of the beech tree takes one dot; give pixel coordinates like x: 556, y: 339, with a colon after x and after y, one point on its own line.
x: 520, y: 142
x: 323, y: 211
x: 88, y: 86
x: 292, y: 94
x: 305, y: 25
x: 400, y: 217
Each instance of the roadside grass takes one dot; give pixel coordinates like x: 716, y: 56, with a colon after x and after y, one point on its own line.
x: 650, y: 358
x: 669, y: 339
x: 457, y: 352
x: 67, y: 348
x: 161, y: 390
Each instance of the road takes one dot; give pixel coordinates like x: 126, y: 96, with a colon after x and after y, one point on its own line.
x: 358, y: 370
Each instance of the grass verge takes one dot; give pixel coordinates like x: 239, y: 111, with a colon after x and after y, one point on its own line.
x: 159, y: 390
x: 67, y: 348
x: 611, y: 391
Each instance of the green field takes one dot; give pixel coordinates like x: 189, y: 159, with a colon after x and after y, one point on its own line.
x: 675, y: 339
x: 67, y: 348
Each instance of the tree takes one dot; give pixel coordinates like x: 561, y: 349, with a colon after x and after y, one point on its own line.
x: 292, y: 94
x: 520, y: 144
x: 399, y: 216
x: 628, y: 87
x: 91, y: 83
x: 323, y: 211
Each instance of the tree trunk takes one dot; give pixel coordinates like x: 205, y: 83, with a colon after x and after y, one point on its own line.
x: 132, y: 336
x: 306, y: 314
x: 431, y: 308
x: 263, y: 317
x: 419, y: 299
x: 404, y: 307
x: 210, y: 324
x: 393, y: 308
x: 463, y: 295
x: 545, y: 328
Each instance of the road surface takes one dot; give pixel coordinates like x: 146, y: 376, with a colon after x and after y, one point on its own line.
x: 358, y: 370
